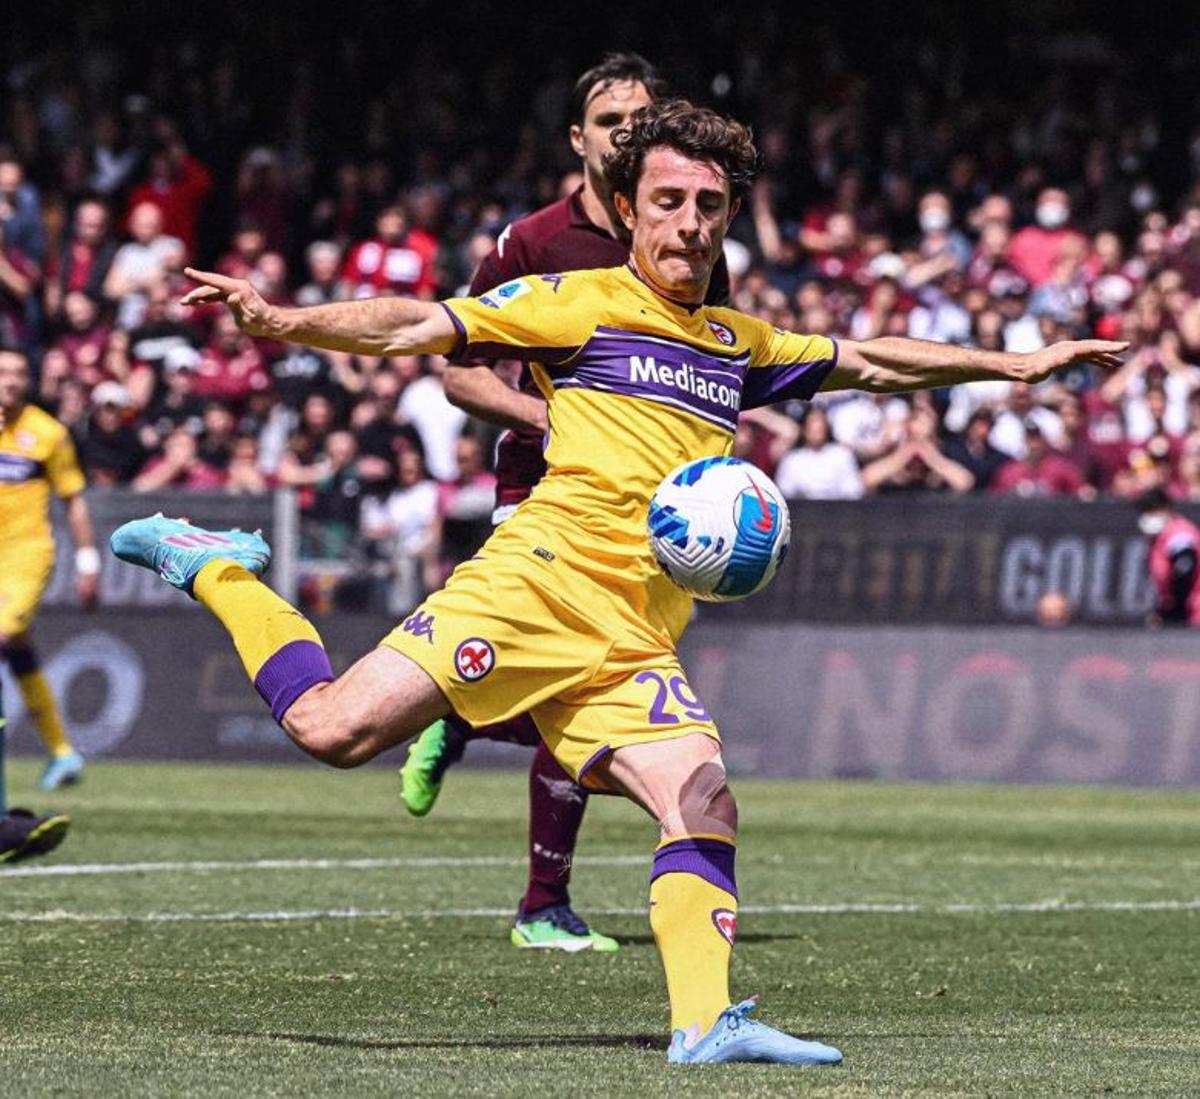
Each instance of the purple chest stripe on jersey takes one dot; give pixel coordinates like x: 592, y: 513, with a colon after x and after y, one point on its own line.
x: 664, y: 371
x: 16, y: 469
x: 787, y: 381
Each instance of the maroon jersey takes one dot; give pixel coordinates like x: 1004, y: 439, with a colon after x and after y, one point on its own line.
x: 1173, y: 555
x: 558, y: 237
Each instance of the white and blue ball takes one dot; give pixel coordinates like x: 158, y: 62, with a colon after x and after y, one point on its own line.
x: 719, y: 528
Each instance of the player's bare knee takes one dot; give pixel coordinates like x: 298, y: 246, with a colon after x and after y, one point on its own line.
x: 724, y: 809
x: 705, y: 805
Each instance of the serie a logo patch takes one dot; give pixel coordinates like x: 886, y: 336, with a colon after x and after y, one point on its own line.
x: 502, y: 295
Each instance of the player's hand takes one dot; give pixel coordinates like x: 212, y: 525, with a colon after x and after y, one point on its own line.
x: 249, y: 308
x: 88, y: 589
x: 1039, y: 365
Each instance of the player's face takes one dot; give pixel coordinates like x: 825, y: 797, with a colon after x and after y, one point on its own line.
x: 678, y: 222
x: 14, y: 380
x: 609, y: 106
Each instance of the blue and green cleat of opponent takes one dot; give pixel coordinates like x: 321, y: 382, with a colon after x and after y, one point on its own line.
x: 737, y: 1037
x: 559, y: 927
x: 177, y: 551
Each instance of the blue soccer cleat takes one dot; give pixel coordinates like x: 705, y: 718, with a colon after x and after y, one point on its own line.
x: 177, y: 550
x: 62, y: 771
x: 737, y: 1037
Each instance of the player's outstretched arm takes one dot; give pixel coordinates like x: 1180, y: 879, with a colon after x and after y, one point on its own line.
x: 375, y: 326
x: 892, y: 364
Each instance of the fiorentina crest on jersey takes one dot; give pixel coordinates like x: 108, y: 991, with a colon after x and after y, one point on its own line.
x: 723, y: 333
x: 725, y: 921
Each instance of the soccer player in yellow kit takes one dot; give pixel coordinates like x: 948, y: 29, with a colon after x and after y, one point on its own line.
x: 36, y: 455
x: 564, y: 612
x: 37, y: 458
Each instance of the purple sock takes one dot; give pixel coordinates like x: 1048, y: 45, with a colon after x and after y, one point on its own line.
x: 712, y: 860
x: 290, y: 672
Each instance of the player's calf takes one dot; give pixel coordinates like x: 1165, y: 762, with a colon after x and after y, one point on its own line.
x: 380, y: 702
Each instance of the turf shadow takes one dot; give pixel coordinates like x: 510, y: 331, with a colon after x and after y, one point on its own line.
x: 615, y: 1041
x: 742, y: 937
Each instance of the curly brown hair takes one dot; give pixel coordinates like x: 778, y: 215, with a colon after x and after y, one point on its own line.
x: 694, y: 131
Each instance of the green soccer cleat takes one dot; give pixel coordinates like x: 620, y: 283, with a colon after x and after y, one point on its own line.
x: 559, y: 928
x: 423, y: 771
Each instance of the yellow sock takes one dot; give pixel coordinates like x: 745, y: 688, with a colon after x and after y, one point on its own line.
x: 39, y: 701
x: 693, y: 914
x: 280, y: 649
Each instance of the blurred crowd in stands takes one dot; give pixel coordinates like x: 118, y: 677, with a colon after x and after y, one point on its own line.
x: 1002, y: 220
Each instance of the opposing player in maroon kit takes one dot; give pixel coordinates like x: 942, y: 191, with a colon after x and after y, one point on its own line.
x: 576, y: 233
x: 1174, y: 560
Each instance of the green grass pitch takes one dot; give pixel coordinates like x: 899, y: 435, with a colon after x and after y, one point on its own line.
x: 1027, y: 941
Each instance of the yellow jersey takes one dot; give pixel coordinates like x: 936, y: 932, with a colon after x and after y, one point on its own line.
x: 37, y: 457
x: 635, y: 384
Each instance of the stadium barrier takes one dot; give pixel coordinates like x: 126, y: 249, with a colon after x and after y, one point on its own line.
x: 968, y: 561
x: 999, y: 703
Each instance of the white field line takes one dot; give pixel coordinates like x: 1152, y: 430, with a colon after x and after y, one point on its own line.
x: 70, y: 870
x: 288, y: 916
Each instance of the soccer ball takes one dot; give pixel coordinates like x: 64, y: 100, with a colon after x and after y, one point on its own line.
x: 719, y: 527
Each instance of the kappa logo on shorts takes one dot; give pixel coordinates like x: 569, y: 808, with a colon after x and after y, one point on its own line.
x: 723, y: 333
x: 419, y: 624
x: 725, y: 921
x: 474, y: 658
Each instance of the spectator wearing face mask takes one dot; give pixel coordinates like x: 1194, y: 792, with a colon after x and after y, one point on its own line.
x: 1035, y: 249
x: 939, y: 237
x: 1174, y: 557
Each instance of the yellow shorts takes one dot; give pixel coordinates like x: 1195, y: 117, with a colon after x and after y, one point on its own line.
x: 528, y: 627
x: 24, y: 574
